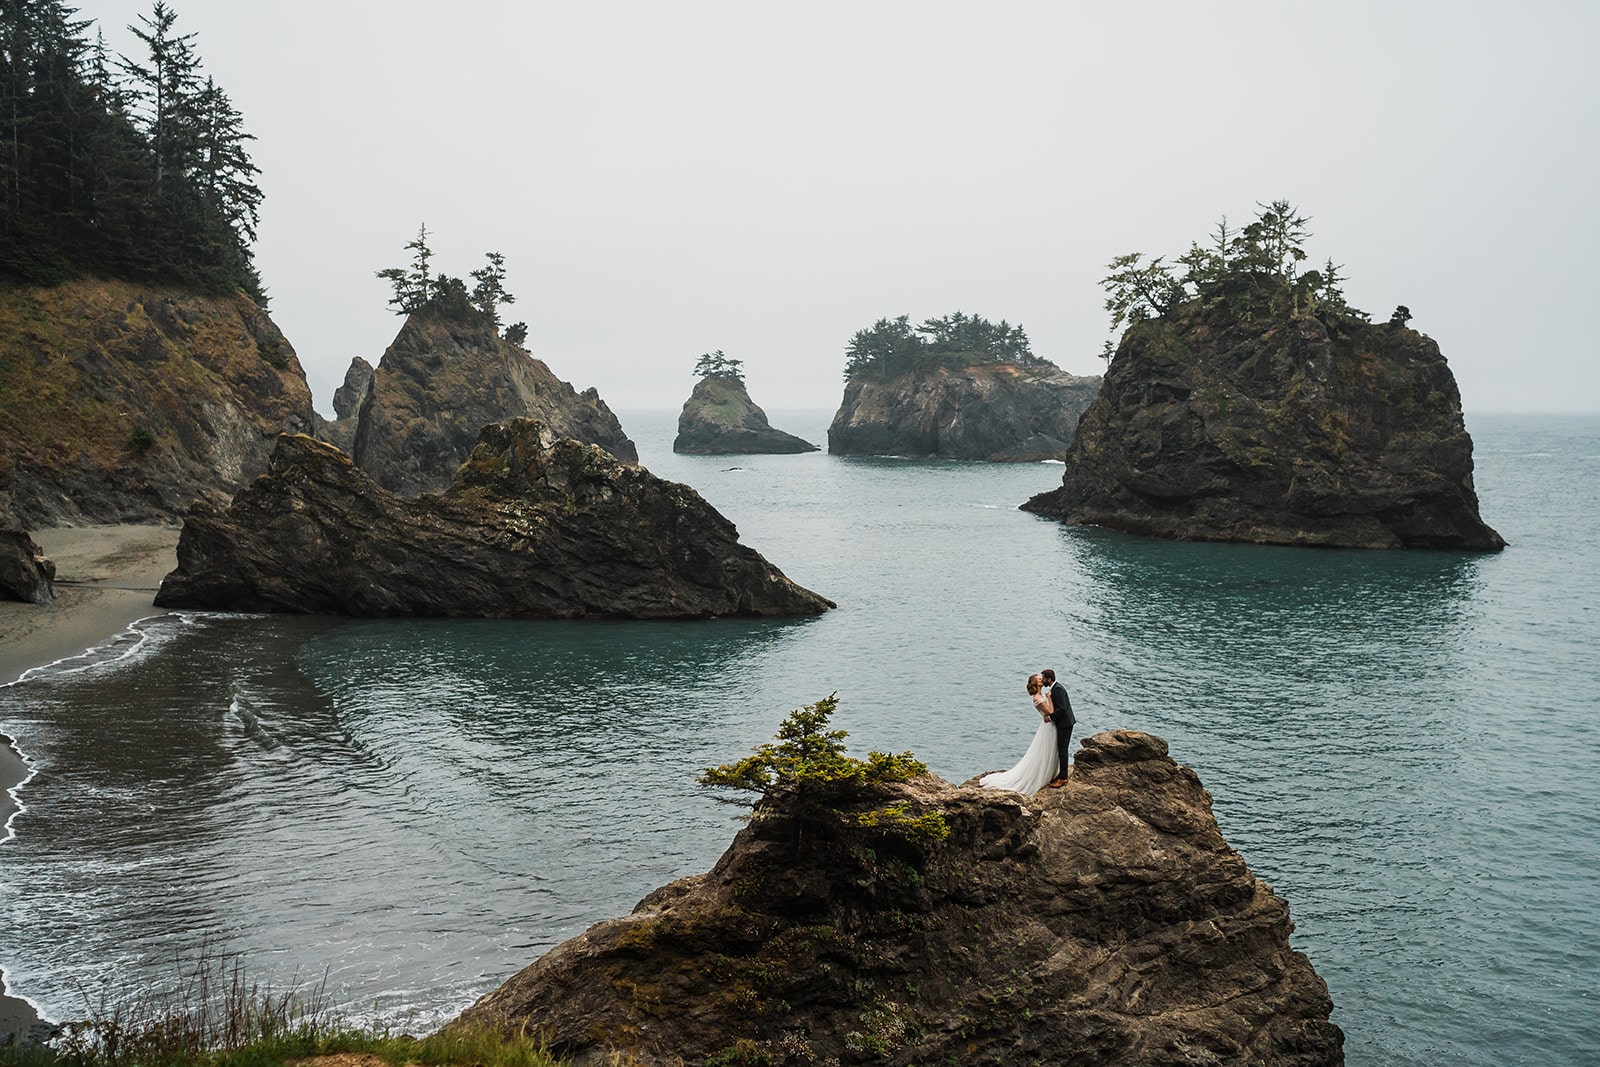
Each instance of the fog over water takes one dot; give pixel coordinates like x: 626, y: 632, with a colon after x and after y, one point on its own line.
x: 666, y: 179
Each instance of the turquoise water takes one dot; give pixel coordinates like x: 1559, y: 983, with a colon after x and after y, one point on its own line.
x: 1404, y: 745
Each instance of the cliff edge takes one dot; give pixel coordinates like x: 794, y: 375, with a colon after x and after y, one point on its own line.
x: 1107, y: 922
x: 125, y: 402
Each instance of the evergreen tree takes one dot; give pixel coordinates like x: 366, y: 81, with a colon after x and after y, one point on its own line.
x: 490, y: 292
x: 413, y: 287
x: 119, y: 167
x: 717, y: 365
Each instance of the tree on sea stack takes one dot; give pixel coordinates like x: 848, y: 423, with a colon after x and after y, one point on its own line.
x: 809, y: 763
x: 717, y: 365
x: 1246, y: 400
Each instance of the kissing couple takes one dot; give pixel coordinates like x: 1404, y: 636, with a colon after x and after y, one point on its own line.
x: 1045, y: 762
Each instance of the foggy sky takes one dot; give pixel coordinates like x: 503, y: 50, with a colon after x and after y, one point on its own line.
x: 669, y: 178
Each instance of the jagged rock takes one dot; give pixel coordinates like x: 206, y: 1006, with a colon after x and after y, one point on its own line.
x: 442, y: 380
x: 25, y: 573
x: 1104, y: 923
x: 534, y: 526
x: 1276, y: 431
x: 720, y: 419
x: 121, y: 402
x: 997, y: 412
x: 347, y: 400
x: 348, y: 397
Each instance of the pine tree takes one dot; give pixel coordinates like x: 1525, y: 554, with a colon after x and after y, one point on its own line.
x: 490, y: 292
x: 414, y: 287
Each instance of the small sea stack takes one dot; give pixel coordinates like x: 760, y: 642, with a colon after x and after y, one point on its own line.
x: 956, y: 387
x: 533, y: 526
x: 720, y: 419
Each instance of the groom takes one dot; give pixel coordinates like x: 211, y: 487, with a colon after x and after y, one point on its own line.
x: 1064, y: 721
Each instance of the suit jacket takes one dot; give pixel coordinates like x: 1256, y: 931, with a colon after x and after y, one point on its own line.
x: 1063, y: 704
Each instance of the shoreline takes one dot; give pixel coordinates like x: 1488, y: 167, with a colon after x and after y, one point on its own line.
x: 106, y: 580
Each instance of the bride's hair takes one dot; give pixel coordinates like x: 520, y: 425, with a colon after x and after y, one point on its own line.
x: 1035, y: 683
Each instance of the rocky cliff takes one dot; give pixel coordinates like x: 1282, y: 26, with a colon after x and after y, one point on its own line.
x: 122, y: 402
x: 720, y: 419
x: 998, y: 412
x: 442, y: 380
x: 1104, y: 923
x: 533, y: 526
x: 1276, y: 430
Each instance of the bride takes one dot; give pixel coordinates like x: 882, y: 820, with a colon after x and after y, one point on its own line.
x: 1039, y: 763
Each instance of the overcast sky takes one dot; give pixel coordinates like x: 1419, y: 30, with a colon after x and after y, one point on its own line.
x: 673, y: 177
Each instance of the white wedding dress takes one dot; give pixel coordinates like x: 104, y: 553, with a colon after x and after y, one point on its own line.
x: 1037, y: 768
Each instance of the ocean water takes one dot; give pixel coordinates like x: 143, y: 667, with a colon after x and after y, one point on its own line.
x: 1404, y: 745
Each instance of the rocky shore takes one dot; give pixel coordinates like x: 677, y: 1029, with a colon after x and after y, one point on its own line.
x: 107, y: 577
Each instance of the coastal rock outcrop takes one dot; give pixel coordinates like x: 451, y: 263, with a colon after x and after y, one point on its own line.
x: 442, y: 380
x: 347, y: 400
x: 1108, y: 922
x: 123, y: 402
x: 1001, y: 412
x: 533, y: 526
x: 720, y: 419
x: 25, y: 573
x: 1294, y: 430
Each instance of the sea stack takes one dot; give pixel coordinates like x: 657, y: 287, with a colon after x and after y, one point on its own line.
x: 999, y: 412
x: 1252, y: 404
x: 955, y: 387
x: 1108, y: 922
x: 720, y: 419
x: 533, y: 526
x: 446, y: 376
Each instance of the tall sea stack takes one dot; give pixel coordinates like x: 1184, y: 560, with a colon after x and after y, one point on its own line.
x: 1252, y: 404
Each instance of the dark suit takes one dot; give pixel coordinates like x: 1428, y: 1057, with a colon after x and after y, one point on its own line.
x: 1064, y: 720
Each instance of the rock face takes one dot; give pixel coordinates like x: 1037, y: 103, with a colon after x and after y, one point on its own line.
x: 997, y: 412
x: 720, y: 419
x: 120, y: 402
x: 1276, y: 432
x: 534, y: 526
x: 1105, y: 923
x: 25, y: 573
x: 444, y: 379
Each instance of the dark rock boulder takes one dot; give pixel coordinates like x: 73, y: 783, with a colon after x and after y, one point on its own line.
x: 25, y: 573
x: 1283, y: 430
x: 997, y: 412
x: 720, y: 419
x: 1107, y: 923
x: 534, y: 526
x: 121, y: 402
x: 446, y: 377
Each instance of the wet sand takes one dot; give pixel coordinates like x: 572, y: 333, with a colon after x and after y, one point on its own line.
x: 106, y: 578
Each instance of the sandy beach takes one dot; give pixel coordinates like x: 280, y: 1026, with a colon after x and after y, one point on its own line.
x: 106, y: 578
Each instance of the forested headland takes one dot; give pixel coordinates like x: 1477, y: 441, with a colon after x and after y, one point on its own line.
x: 131, y: 167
